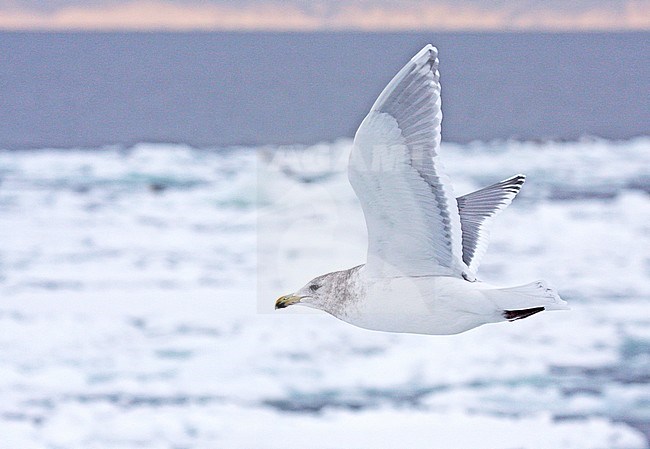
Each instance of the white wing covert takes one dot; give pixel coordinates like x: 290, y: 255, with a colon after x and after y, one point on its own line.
x: 411, y: 213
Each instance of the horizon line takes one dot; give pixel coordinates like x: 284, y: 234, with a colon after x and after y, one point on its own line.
x: 315, y: 31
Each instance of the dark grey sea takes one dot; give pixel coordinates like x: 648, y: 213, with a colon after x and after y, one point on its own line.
x: 221, y: 89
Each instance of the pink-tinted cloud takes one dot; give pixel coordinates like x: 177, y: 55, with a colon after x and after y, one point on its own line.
x: 161, y: 15
x: 152, y: 15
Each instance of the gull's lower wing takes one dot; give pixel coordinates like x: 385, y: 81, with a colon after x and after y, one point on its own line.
x: 411, y: 213
x: 477, y: 210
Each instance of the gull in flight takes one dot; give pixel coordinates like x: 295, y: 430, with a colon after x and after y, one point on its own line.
x: 424, y: 245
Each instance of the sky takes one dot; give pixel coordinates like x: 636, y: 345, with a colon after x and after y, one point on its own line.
x: 304, y: 15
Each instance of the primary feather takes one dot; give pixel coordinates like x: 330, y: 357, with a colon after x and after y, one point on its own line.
x: 477, y: 209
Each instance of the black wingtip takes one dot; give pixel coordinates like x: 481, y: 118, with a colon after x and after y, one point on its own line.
x: 428, y: 55
x: 513, y: 315
x: 518, y: 179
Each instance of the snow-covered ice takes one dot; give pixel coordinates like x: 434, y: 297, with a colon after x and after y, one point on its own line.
x: 137, y: 288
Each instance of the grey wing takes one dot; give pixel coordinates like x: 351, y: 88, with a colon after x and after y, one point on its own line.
x: 477, y: 209
x: 411, y: 213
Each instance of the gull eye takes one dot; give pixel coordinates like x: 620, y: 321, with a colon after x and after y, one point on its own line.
x: 314, y: 287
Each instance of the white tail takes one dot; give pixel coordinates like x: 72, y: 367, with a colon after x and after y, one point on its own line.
x: 535, y: 294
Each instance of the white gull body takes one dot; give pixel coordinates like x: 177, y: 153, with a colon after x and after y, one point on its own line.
x: 424, y: 245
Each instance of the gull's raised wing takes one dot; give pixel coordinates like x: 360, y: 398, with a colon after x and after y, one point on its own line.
x: 411, y: 213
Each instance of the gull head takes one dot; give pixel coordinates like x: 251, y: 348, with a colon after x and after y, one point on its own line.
x: 319, y: 293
